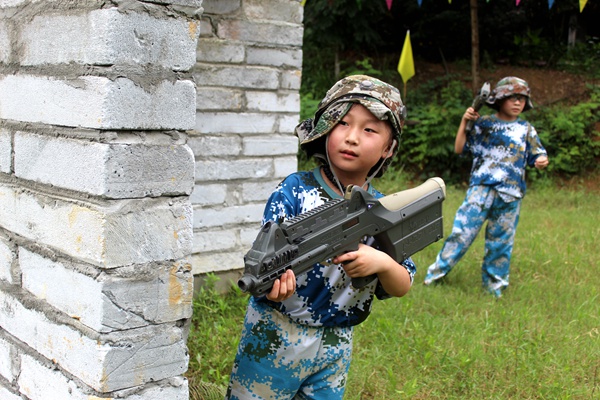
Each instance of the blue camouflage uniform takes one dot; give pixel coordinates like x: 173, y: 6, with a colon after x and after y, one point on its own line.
x: 501, y: 151
x: 301, y: 347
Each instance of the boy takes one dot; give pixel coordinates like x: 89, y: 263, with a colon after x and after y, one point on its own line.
x: 297, y: 340
x: 502, y: 145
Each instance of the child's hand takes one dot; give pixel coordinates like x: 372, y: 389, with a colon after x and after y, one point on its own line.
x: 364, y: 262
x: 541, y: 162
x: 471, y: 114
x: 283, y: 287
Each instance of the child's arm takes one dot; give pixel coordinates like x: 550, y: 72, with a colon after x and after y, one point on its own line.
x: 461, y: 134
x: 367, y: 260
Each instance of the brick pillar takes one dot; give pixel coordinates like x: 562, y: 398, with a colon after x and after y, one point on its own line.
x: 248, y: 73
x: 95, y: 216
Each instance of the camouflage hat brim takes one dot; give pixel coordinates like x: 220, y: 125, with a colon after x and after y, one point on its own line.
x: 308, y: 131
x: 506, y: 87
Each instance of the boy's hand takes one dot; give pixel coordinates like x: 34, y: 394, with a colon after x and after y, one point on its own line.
x: 364, y: 262
x: 471, y: 114
x: 283, y: 287
x: 541, y: 162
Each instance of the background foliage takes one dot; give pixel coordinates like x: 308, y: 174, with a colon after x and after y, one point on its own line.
x: 357, y: 36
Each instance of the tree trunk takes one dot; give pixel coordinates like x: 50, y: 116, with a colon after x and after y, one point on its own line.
x: 474, y: 47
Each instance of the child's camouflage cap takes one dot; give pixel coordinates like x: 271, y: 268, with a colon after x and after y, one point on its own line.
x: 380, y: 98
x: 507, y: 87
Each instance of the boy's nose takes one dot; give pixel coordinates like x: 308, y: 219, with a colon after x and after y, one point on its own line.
x: 352, y: 136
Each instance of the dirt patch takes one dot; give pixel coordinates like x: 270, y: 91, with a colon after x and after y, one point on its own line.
x: 547, y: 86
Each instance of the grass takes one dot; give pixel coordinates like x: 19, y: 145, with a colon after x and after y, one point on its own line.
x: 541, y: 340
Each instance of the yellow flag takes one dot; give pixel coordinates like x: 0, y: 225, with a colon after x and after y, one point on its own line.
x: 406, y: 66
x: 581, y: 5
x: 302, y: 3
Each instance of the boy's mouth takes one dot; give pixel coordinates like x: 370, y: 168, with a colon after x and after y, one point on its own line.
x: 349, y: 153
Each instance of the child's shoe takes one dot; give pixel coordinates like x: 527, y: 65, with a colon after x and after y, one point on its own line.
x: 434, y: 274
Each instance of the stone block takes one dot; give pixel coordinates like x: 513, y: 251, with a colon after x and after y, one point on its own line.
x: 261, y: 32
x: 8, y: 255
x: 228, y: 216
x: 220, y: 51
x: 215, y: 262
x: 235, y: 123
x: 104, y: 362
x: 219, y: 99
x: 5, y: 151
x: 275, y: 57
x: 211, y: 170
x: 113, y: 170
x: 215, y: 146
x: 270, y: 145
x: 110, y: 37
x: 6, y: 360
x: 98, y: 102
x: 273, y: 101
x: 236, y: 76
x: 145, y: 295
x: 206, y: 194
x: 111, y: 234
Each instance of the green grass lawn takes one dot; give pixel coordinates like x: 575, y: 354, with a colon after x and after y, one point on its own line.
x: 541, y: 340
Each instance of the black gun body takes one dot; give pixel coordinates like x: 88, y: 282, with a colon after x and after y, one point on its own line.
x: 339, y: 226
x: 478, y: 102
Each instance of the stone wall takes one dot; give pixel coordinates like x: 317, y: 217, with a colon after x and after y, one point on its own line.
x: 248, y: 73
x: 139, y: 141
x: 96, y: 223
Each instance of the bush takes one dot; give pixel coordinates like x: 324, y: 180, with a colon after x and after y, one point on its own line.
x: 571, y: 135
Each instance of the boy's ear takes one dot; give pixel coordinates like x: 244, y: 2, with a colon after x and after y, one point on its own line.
x: 389, y: 151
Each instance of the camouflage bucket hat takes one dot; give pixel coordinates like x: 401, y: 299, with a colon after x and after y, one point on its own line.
x: 507, y: 87
x: 381, y: 99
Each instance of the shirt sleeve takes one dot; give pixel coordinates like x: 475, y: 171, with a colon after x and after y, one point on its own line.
x: 534, y: 146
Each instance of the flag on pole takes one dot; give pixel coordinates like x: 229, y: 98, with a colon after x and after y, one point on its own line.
x: 581, y: 5
x: 550, y: 2
x: 406, y: 65
x: 302, y: 3
x: 389, y: 4
x: 518, y: 1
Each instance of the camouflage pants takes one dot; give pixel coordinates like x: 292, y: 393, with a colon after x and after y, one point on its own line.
x: 481, y: 203
x: 278, y: 359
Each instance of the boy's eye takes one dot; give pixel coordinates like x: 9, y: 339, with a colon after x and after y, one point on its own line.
x: 342, y: 122
x: 517, y: 97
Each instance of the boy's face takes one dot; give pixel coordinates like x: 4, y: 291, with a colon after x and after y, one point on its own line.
x: 358, y: 141
x: 512, y: 106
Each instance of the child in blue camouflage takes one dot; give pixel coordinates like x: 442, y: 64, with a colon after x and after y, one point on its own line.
x: 502, y: 145
x: 297, y: 340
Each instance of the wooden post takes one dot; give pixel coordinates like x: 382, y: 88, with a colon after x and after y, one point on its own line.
x: 474, y: 47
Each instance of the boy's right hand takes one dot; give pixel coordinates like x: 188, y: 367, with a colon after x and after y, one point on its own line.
x: 283, y: 287
x: 471, y: 114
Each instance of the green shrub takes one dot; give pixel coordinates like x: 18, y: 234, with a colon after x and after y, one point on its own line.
x: 427, y: 146
x: 570, y: 135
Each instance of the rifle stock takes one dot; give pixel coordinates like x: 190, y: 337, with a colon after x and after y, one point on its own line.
x: 402, y: 223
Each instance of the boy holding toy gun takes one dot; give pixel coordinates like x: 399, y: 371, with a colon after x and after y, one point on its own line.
x: 297, y: 339
x: 502, y: 145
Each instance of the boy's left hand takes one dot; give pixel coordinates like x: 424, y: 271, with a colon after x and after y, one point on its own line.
x: 541, y: 162
x: 283, y: 287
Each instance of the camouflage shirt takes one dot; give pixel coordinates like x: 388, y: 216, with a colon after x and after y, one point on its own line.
x: 501, y: 150
x: 324, y: 296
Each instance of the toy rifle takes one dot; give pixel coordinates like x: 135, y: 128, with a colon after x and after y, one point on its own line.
x: 478, y: 102
x: 401, y: 223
